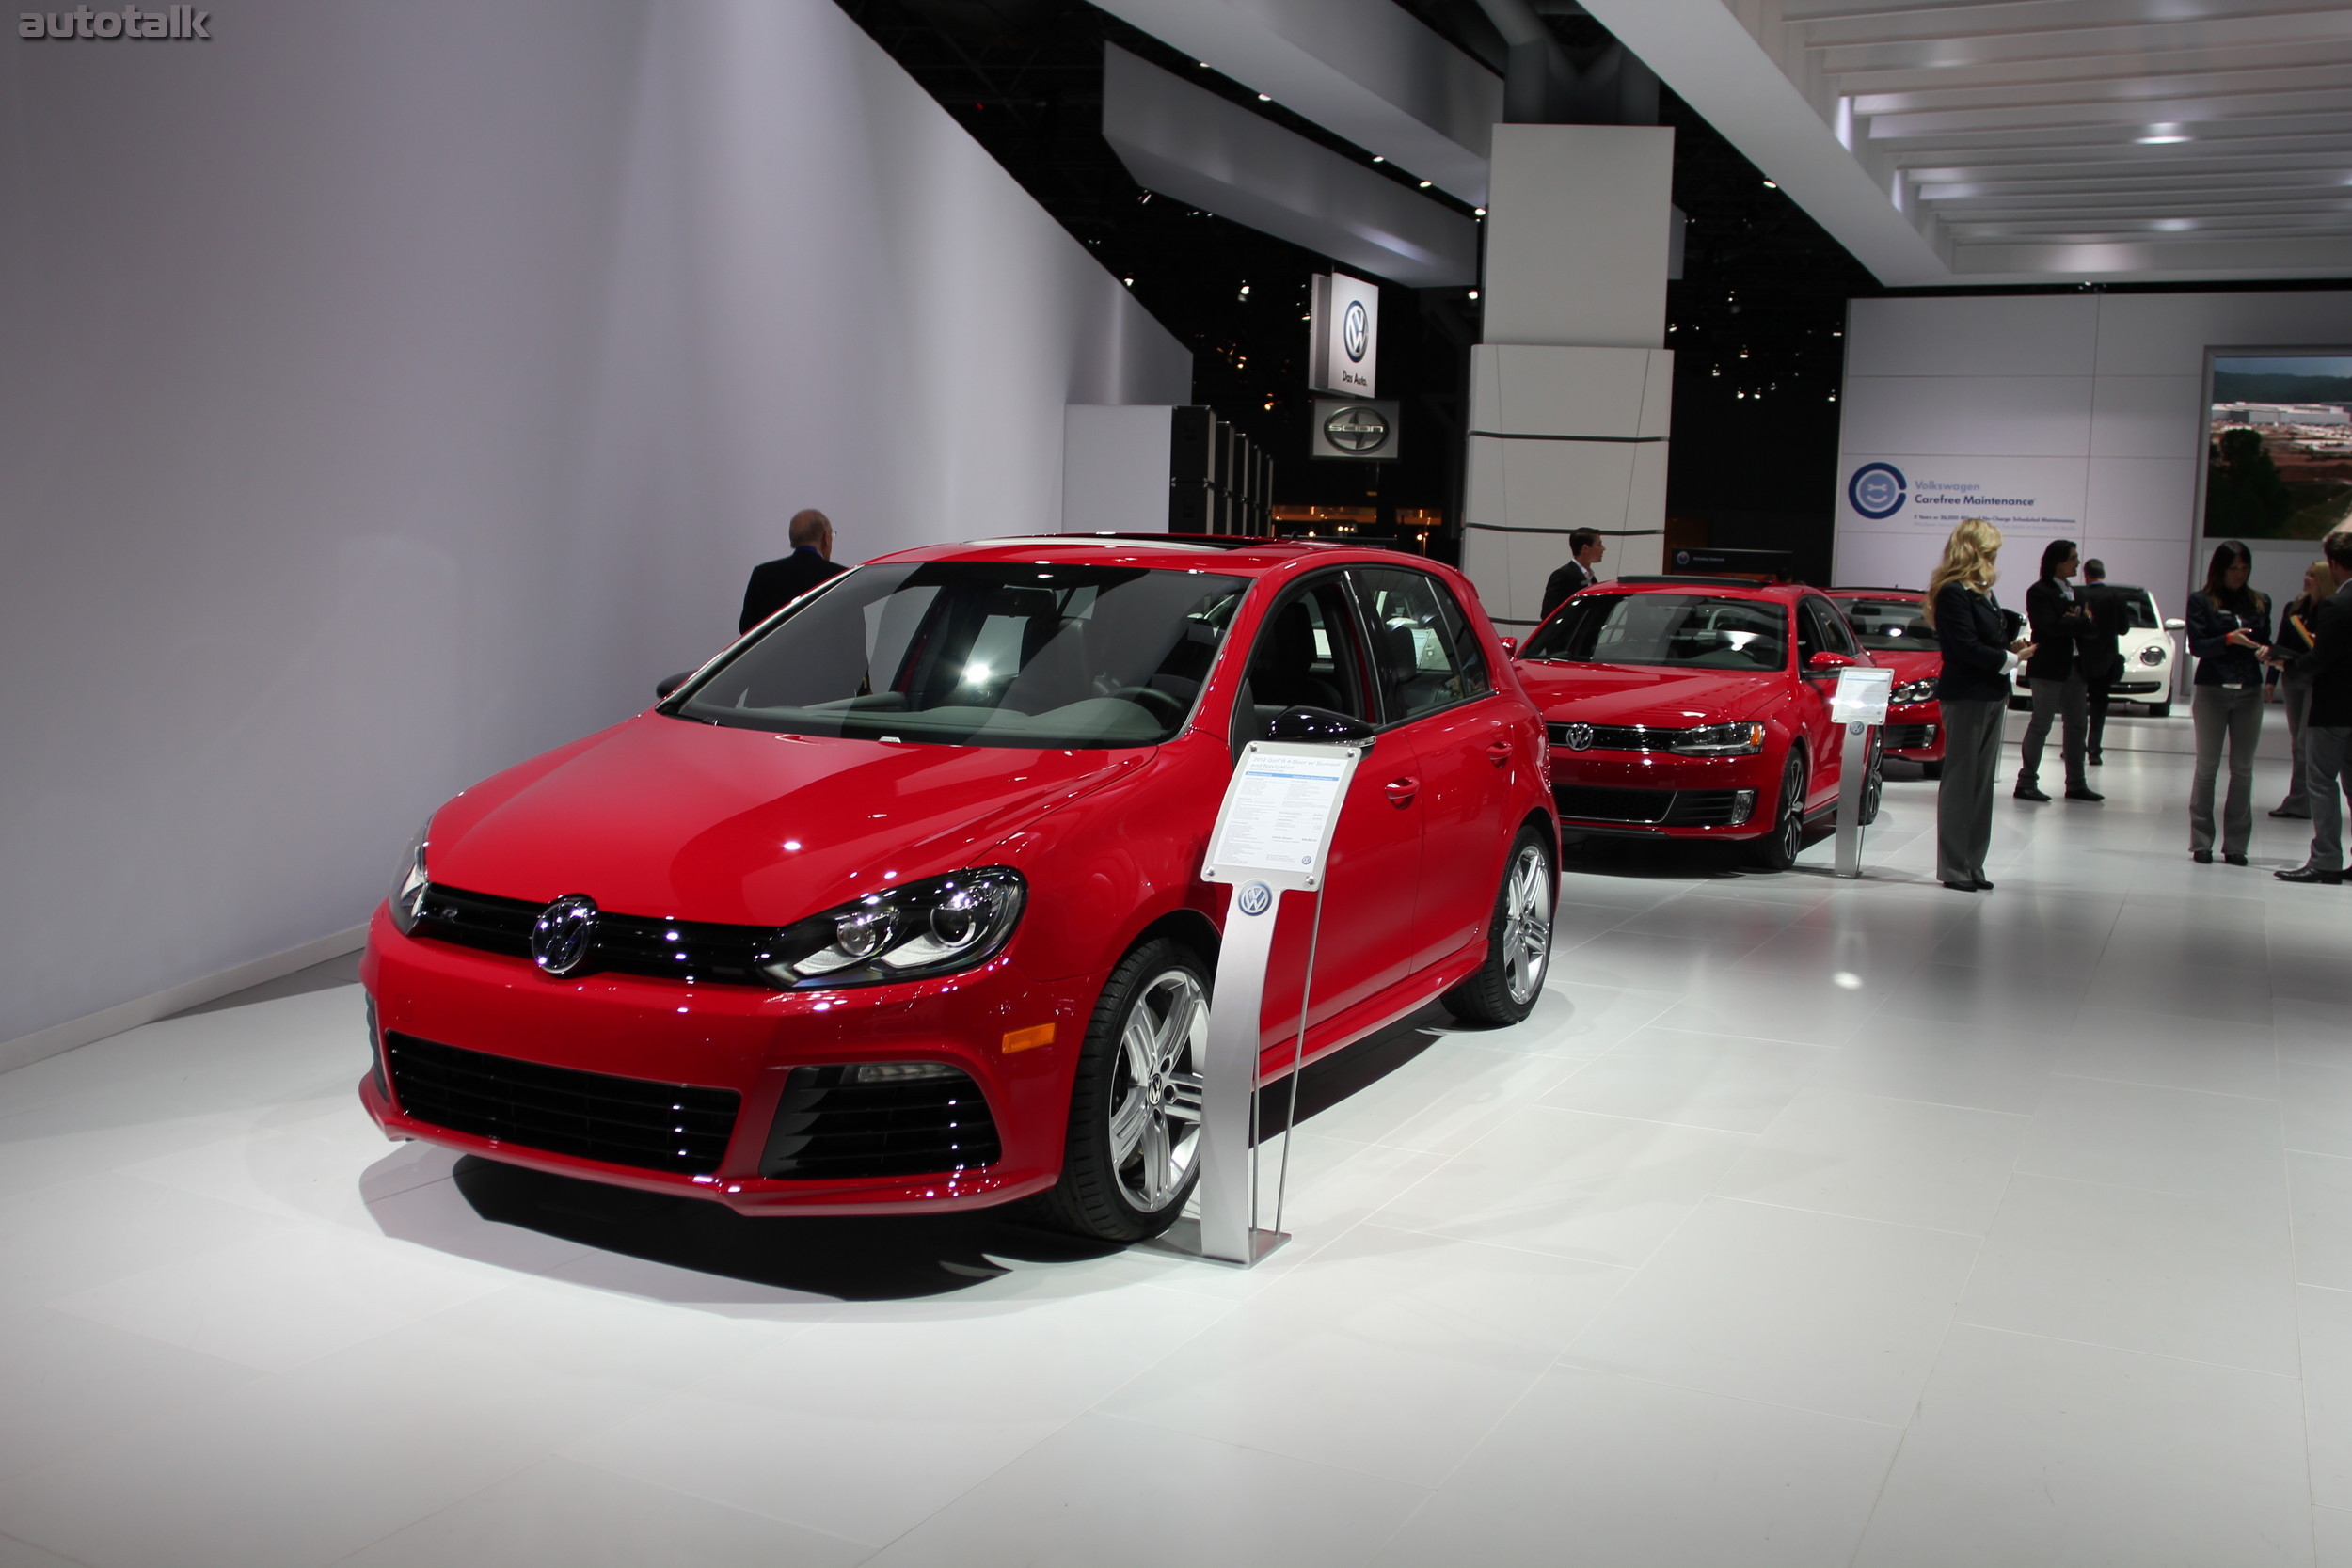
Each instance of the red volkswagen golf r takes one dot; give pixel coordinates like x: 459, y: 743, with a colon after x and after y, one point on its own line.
x: 1694, y: 707
x: 897, y: 904
x: 1891, y: 624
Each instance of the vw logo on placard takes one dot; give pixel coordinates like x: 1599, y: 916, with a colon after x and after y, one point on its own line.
x: 1877, y: 490
x: 1579, y: 736
x: 1256, y: 899
x: 565, y: 934
x: 1357, y: 428
x: 1356, y: 331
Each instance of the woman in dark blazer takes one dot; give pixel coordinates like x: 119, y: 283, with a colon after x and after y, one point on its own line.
x: 2228, y: 631
x: 1973, y: 631
x: 2295, y: 686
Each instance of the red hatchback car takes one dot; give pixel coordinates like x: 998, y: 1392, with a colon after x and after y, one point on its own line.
x: 895, y: 905
x: 1892, y: 624
x: 1694, y: 709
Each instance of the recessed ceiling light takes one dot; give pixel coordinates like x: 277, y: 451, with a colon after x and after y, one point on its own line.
x: 2175, y: 226
x: 2163, y: 134
x: 1771, y: 184
x: 1481, y: 212
x: 1425, y: 184
x: 1378, y: 159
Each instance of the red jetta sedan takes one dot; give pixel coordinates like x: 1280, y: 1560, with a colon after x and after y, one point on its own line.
x: 1694, y: 707
x: 1892, y: 625
x: 897, y: 904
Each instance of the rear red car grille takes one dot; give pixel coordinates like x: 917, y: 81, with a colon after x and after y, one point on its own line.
x: 591, y: 1116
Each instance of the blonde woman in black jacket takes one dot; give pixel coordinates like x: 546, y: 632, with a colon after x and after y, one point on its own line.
x: 1972, y: 629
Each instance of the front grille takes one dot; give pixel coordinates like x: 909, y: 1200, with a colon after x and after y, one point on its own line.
x: 1908, y: 737
x: 594, y: 1115
x: 1654, y: 807
x: 2137, y: 686
x: 628, y: 944
x: 831, y: 1125
x: 1620, y: 738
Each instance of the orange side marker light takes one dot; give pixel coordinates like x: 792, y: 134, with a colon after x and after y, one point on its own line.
x: 1028, y: 1039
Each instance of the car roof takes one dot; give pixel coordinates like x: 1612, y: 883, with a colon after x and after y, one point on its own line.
x: 1236, y: 555
x: 1720, y: 588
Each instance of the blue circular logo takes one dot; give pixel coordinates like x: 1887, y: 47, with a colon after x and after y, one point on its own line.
x: 1877, y: 490
x: 1256, y: 899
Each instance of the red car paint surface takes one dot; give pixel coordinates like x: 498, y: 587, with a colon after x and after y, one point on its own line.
x: 1613, y: 771
x: 675, y: 820
x: 1914, y: 729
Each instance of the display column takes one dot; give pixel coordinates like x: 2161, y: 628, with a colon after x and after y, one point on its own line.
x: 1572, y: 391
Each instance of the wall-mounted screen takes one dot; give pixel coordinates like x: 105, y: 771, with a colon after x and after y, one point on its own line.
x: 2279, y: 444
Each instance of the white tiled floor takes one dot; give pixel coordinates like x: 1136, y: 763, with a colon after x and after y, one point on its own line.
x: 1807, y: 1221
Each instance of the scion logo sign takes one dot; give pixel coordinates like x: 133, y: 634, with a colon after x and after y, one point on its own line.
x: 1877, y: 490
x: 1360, y: 428
x: 172, y: 21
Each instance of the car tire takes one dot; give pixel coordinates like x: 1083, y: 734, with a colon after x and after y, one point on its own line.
x: 1518, y: 938
x: 2160, y: 710
x: 1778, y: 849
x: 1930, y: 769
x: 1138, y: 1085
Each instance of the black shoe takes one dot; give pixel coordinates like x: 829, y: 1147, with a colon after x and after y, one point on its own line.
x: 2294, y: 809
x: 2030, y: 792
x: 1971, y: 887
x: 2234, y: 860
x: 2204, y: 857
x: 2308, y: 872
x: 2097, y: 761
x: 1984, y: 886
x: 2083, y: 792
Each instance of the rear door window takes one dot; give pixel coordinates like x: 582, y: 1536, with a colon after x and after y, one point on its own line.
x: 1423, y: 658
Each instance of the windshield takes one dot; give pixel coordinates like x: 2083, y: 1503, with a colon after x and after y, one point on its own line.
x: 1894, y: 624
x: 1693, y: 631
x: 981, y: 653
x: 2139, y: 610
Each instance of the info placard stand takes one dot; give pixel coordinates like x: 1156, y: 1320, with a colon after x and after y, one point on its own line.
x: 1859, y: 705
x: 1273, y: 836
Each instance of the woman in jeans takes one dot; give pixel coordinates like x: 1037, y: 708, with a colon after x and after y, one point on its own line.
x: 2297, y: 690
x: 2228, y: 631
x: 1972, y: 630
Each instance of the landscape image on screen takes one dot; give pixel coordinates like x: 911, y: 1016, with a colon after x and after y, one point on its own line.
x: 2279, y: 461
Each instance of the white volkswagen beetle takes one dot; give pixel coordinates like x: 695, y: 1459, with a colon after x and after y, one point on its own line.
x: 2148, y: 655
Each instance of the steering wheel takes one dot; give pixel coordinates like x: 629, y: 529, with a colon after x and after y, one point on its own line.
x: 1166, y: 705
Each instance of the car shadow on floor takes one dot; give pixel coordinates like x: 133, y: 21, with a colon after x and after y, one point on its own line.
x: 885, y: 1258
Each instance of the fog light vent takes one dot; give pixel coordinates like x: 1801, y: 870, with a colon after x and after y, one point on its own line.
x: 1743, y: 806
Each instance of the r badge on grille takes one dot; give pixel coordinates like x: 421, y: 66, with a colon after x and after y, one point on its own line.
x: 565, y: 934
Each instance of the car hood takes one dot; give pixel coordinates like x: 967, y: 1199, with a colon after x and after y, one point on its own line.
x: 664, y: 816
x: 1908, y: 667
x: 1639, y: 694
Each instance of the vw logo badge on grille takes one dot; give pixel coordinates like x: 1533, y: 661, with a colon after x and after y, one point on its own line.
x: 1578, y: 737
x: 1356, y: 331
x: 566, y: 931
x: 1357, y: 428
x: 1256, y: 899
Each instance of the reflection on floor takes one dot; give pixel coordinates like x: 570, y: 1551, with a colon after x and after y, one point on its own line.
x: 1807, y: 1221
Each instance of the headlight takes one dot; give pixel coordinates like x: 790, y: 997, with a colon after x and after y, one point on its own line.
x: 909, y: 933
x: 2152, y: 656
x: 1914, y: 691
x: 408, y: 890
x: 1720, y: 740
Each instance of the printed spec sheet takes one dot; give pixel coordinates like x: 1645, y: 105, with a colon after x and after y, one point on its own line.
x: 1277, y: 814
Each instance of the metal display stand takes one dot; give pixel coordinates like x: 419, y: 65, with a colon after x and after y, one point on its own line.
x: 1859, y: 704
x: 1273, y: 836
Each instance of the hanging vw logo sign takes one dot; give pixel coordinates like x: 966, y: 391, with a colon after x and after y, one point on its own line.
x: 1579, y: 736
x: 1255, y: 899
x: 1357, y: 428
x: 1356, y: 331
x: 564, y: 935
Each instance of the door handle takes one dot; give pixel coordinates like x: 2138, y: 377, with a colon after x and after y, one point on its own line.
x: 1401, y: 791
x: 1499, y: 751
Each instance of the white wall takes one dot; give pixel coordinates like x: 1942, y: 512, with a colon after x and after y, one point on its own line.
x: 390, y: 391
x: 1115, y: 467
x: 2088, y: 405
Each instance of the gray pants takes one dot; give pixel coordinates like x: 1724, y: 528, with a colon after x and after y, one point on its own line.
x: 1964, y: 802
x: 2234, y: 713
x: 2297, y: 699
x: 2069, y: 699
x: 2327, y: 775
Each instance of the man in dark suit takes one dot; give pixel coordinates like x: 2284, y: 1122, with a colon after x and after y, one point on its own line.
x: 2055, y: 674
x: 2327, y: 727
x: 2099, y: 651
x: 1584, y: 552
x: 778, y: 582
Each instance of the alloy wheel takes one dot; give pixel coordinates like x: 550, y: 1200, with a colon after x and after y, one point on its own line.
x: 1791, y: 824
x: 1155, y: 1096
x: 1527, y: 923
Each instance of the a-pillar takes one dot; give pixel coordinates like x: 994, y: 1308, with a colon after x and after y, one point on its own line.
x: 1571, y: 392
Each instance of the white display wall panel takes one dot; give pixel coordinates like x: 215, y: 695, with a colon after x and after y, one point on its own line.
x: 390, y: 393
x: 2088, y: 406
x: 1115, y: 467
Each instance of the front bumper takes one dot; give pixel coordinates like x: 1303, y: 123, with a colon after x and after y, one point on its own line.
x: 1914, y: 732
x: 1655, y: 794
x: 745, y: 1041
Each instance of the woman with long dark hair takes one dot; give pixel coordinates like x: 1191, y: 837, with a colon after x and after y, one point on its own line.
x: 2295, y: 688
x: 1972, y: 630
x: 2228, y: 631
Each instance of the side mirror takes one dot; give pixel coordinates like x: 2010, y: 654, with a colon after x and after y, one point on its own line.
x: 1318, y: 726
x: 2173, y: 622
x: 1826, y: 662
x: 1510, y: 647
x: 668, y: 684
